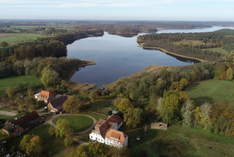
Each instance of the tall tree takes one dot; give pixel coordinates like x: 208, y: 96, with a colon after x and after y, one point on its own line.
x: 32, y: 145
x: 229, y: 74
x: 49, y: 77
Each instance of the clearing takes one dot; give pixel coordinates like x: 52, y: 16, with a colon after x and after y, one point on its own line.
x: 30, y: 81
x: 212, y: 91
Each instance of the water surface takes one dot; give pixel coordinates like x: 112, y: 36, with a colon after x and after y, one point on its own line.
x: 117, y: 57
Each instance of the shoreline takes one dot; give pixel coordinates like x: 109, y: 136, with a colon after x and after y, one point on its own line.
x: 172, y: 53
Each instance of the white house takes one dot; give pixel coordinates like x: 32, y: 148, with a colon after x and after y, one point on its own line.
x: 106, y: 132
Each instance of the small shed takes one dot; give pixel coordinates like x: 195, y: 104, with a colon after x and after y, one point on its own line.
x: 159, y: 126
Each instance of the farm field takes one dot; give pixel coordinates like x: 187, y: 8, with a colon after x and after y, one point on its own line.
x: 16, y: 38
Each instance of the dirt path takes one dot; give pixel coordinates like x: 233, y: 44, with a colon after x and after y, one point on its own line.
x: 8, y: 113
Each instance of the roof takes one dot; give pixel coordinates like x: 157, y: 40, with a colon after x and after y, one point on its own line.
x: 26, y: 119
x: 103, y: 125
x: 114, y: 119
x: 58, y: 101
x: 116, y: 135
x: 45, y: 93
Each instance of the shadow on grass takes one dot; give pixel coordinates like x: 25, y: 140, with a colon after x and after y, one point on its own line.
x: 204, y: 99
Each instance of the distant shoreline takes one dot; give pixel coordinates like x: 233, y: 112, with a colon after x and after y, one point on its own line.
x: 172, y: 53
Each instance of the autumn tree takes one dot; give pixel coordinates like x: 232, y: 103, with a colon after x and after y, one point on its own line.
x: 187, y: 113
x: 74, y: 104
x: 229, y: 74
x: 49, y: 77
x: 123, y: 104
x: 132, y: 115
x: 169, y: 108
x: 11, y: 91
x: 32, y: 145
x: 63, y: 130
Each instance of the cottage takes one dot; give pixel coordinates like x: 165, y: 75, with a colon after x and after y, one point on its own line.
x: 21, y: 125
x: 56, y: 104
x: 106, y: 131
x: 44, y: 96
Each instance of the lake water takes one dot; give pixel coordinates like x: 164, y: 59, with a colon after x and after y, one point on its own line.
x: 117, y: 57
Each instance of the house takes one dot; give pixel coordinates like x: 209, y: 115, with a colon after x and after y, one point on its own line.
x: 44, y: 96
x: 106, y: 132
x: 56, y: 104
x: 159, y: 126
x: 21, y: 125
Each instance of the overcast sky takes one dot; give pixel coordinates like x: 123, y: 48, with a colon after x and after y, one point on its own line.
x: 202, y: 10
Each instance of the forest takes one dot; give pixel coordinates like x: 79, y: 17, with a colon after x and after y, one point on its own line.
x: 160, y: 94
x: 213, y: 46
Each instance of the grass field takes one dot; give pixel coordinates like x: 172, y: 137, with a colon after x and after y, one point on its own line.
x: 97, y: 116
x: 219, y: 50
x: 213, y: 91
x: 180, y: 142
x: 16, y: 38
x: 31, y: 81
x: 77, y: 122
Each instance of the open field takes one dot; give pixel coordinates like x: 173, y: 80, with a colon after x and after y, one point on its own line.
x: 213, y: 91
x: 30, y: 81
x: 180, y: 141
x: 219, y: 50
x: 16, y: 38
x: 77, y: 122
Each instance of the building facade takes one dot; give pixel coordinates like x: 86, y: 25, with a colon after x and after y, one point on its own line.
x: 106, y: 132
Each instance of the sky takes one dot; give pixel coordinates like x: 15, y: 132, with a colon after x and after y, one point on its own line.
x: 184, y: 10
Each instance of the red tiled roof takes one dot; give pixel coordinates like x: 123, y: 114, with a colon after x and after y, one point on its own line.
x: 116, y: 135
x: 45, y: 93
x: 104, y: 125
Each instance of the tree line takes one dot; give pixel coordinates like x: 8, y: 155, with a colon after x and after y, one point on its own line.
x: 160, y: 96
x: 192, y: 44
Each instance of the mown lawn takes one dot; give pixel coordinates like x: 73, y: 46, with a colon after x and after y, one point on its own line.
x: 16, y: 38
x: 77, y: 122
x: 212, y: 91
x: 97, y: 116
x: 180, y: 141
x: 30, y: 81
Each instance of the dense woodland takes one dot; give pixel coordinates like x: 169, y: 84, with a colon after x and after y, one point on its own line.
x: 197, y: 45
x: 159, y: 95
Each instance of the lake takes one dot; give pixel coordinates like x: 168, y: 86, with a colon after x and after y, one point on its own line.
x: 117, y: 56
